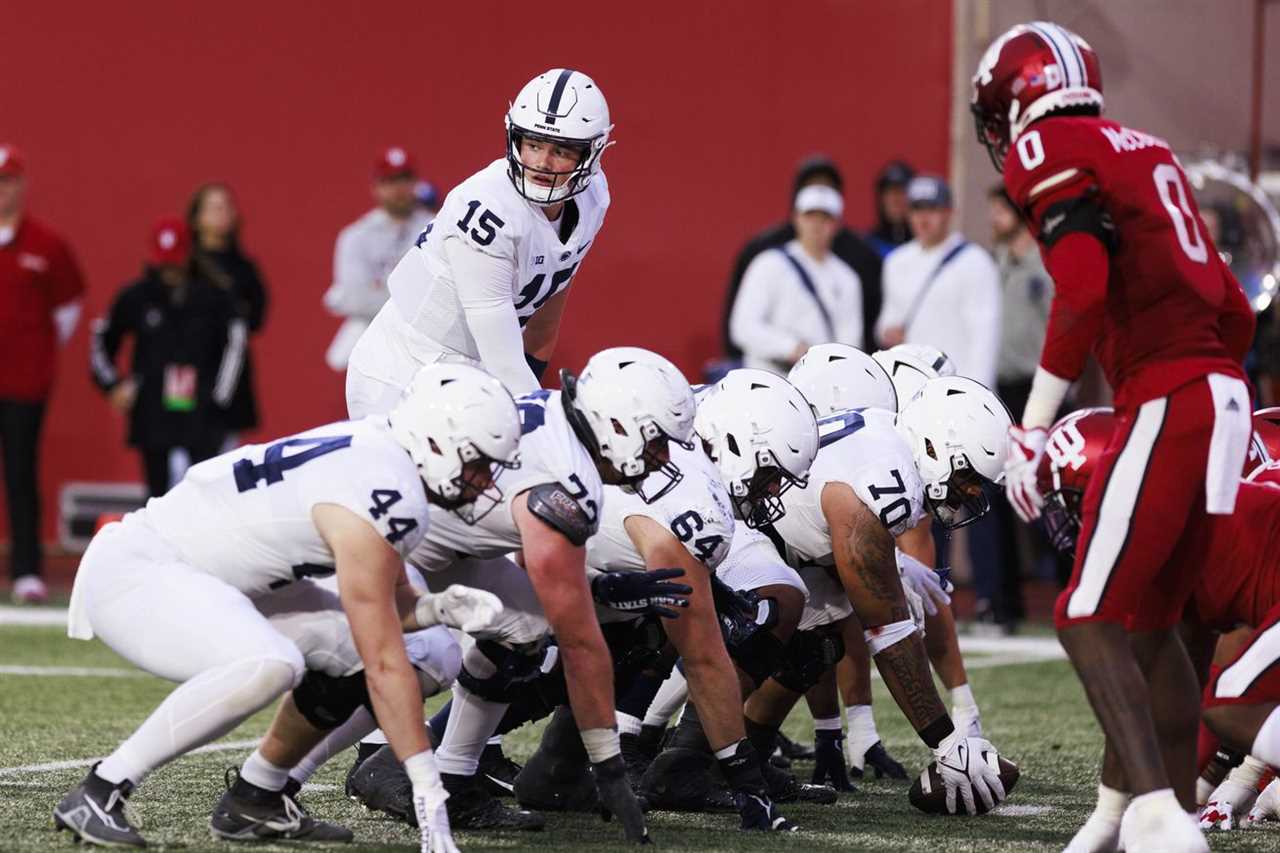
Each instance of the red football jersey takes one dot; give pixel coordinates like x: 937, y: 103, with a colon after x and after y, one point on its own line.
x: 1237, y: 558
x: 1171, y: 311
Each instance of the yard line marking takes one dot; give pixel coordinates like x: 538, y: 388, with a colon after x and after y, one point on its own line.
x: 51, y: 766
x: 71, y: 671
x: 1018, y: 810
x: 38, y: 616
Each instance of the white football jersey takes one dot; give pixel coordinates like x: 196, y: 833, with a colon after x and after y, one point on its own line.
x: 550, y: 452
x: 696, y: 510
x: 245, y: 516
x: 488, y: 215
x: 863, y: 449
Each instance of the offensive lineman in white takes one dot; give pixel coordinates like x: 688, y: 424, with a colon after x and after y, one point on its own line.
x: 873, y: 480
x: 171, y: 589
x: 488, y: 279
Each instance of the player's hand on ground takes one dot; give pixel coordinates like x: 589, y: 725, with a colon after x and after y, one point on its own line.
x: 433, y: 819
x: 828, y: 760
x: 969, y: 779
x: 618, y: 800
x: 460, y: 607
x: 1025, y: 449
x: 640, y: 593
x: 925, y: 582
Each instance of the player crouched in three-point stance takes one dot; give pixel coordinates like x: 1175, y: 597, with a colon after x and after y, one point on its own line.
x: 172, y: 587
x: 1138, y: 281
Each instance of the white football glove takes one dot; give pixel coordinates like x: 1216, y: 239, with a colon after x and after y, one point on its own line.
x: 460, y: 607
x: 1230, y: 803
x: 433, y: 817
x: 1267, y: 808
x: 964, y: 772
x: 1025, y: 449
x: 925, y: 582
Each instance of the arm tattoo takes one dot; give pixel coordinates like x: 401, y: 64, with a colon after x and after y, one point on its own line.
x: 876, y: 591
x: 905, y: 670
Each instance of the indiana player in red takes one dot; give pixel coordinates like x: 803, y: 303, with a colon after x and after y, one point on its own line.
x: 1137, y: 282
x: 1236, y: 562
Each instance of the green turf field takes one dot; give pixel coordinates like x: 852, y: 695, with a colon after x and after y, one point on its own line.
x: 1034, y: 712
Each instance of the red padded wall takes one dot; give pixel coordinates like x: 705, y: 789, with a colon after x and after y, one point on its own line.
x: 122, y: 109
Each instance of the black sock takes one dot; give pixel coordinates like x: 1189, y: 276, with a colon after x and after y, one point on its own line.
x: 650, y: 739
x: 763, y: 737
x: 688, y: 733
x: 240, y: 789
x: 439, y: 722
x: 639, y: 695
x: 742, y: 769
x: 457, y: 784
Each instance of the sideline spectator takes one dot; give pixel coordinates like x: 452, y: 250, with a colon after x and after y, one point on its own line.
x: 940, y: 289
x: 800, y: 293
x: 214, y: 221
x: 40, y: 292
x: 188, y: 348
x: 369, y: 249
x: 848, y: 246
x: 892, y: 228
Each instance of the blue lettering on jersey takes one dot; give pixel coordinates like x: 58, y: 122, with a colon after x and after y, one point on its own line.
x: 533, y: 410
x: 832, y: 428
x: 275, y: 463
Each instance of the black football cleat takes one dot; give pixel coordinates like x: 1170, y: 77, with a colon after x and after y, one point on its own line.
x: 785, y: 788
x: 470, y: 806
x: 497, y: 773
x: 94, y: 813
x: 877, y: 760
x: 794, y: 751
x: 249, y: 813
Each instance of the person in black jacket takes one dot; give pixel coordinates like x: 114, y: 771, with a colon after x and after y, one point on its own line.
x: 188, y: 348
x: 848, y: 246
x: 214, y: 221
x: 892, y: 228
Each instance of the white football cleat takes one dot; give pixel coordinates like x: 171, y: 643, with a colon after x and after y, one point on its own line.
x: 1098, y: 835
x: 1155, y: 823
x: 29, y: 589
x: 1267, y: 807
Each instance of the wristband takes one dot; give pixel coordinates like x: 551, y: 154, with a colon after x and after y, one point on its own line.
x: 421, y: 770
x: 601, y: 744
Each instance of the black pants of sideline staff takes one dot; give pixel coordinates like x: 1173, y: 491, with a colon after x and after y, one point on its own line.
x: 20, y: 423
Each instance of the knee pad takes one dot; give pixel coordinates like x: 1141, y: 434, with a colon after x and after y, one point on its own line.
x: 253, y: 684
x: 328, y: 701
x: 511, y: 671
x: 746, y: 623
x: 808, y: 656
x: 436, y: 655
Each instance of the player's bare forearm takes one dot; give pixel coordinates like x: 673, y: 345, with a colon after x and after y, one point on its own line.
x: 291, y: 735
x: 865, y: 562
x: 713, y: 680
x: 905, y: 670
x: 543, y: 329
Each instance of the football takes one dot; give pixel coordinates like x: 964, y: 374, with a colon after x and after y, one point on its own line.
x: 929, y: 795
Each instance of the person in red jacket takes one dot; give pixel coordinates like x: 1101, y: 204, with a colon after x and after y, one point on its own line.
x: 1139, y: 283
x: 40, y: 292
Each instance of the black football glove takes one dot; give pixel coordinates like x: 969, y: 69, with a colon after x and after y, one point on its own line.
x: 642, y: 593
x: 829, y: 766
x: 616, y: 798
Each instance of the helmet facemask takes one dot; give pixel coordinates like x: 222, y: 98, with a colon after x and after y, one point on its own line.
x: 993, y: 134
x: 757, y: 501
x: 472, y: 492
x: 575, y: 180
x: 1060, y: 517
x: 961, y: 498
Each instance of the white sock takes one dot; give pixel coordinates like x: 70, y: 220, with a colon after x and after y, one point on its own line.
x: 338, y: 740
x: 496, y: 740
x: 197, y: 712
x: 671, y: 697
x: 377, y: 736
x: 472, y: 721
x: 627, y: 724
x: 256, y: 770
x: 862, y: 734
x: 826, y: 724
x: 1111, y: 803
x: 1266, y: 744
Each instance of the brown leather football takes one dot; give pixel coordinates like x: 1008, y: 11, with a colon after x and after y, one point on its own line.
x: 929, y: 795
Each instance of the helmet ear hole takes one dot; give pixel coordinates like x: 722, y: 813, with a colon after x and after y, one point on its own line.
x: 618, y: 427
x: 435, y: 448
x: 928, y: 448
x: 733, y: 445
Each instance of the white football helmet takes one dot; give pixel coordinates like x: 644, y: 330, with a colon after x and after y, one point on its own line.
x: 760, y: 432
x: 912, y: 365
x: 461, y: 427
x: 561, y: 107
x: 836, y: 377
x: 958, y: 431
x: 625, y: 406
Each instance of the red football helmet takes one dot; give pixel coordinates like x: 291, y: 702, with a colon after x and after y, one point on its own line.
x: 1071, y: 453
x: 1264, y: 445
x: 1029, y: 71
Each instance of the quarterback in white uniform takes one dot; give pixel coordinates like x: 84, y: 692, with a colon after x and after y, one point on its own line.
x: 172, y: 587
x: 488, y: 279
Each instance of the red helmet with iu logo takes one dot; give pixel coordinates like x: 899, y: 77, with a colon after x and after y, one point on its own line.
x: 1264, y: 444
x: 1071, y: 453
x: 1028, y: 72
